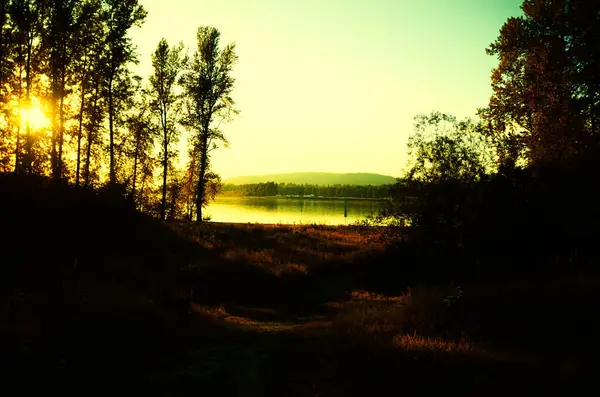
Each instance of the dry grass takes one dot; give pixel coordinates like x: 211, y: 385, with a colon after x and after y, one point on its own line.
x: 377, y: 320
x: 277, y: 250
x: 266, y: 259
x: 259, y: 320
x: 416, y: 342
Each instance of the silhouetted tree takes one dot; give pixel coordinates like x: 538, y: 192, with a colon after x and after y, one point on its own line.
x: 58, y: 43
x: 443, y: 148
x: 167, y: 63
x: 447, y: 159
x: 89, y: 38
x: 122, y: 15
x: 545, y: 86
x: 26, y: 17
x: 208, y: 84
x: 189, y: 198
x: 5, y: 50
x: 143, y: 131
x: 95, y: 113
x: 584, y: 48
x: 6, y: 42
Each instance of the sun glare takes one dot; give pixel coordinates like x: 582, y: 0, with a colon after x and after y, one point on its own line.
x: 34, y: 116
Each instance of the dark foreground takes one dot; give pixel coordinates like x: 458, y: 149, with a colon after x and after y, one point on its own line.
x: 97, y: 299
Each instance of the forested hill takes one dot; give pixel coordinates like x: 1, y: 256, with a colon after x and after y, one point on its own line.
x: 316, y: 178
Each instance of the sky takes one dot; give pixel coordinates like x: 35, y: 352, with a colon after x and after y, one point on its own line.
x: 333, y: 85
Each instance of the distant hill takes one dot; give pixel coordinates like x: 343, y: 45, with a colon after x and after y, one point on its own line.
x: 316, y: 178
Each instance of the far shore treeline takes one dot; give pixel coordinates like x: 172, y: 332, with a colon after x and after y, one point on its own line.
x: 270, y: 189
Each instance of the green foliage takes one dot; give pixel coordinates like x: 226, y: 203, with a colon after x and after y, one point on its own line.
x: 442, y: 148
x: 208, y: 84
x: 122, y: 15
x: 545, y: 105
x: 74, y: 57
x: 447, y: 158
x: 292, y: 189
x: 316, y: 178
x: 143, y: 129
x: 167, y: 63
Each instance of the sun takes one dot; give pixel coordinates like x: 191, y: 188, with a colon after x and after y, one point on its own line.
x: 34, y: 116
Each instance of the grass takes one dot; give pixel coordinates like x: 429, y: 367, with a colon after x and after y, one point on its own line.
x: 100, y: 301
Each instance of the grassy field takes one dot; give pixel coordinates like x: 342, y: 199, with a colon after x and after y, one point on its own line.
x: 107, y: 303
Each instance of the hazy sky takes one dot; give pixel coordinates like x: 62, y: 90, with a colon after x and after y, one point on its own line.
x: 333, y: 85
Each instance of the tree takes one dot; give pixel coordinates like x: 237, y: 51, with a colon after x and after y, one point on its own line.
x: 208, y: 84
x: 189, y: 198
x: 89, y: 38
x: 447, y: 159
x: 545, y: 103
x: 5, y: 50
x: 143, y: 131
x: 167, y: 63
x: 6, y: 41
x: 94, y: 113
x: 121, y: 16
x: 26, y: 16
x: 57, y: 38
x: 443, y: 148
x: 585, y: 50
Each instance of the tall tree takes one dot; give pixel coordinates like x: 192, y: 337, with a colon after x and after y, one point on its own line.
x: 6, y: 40
x: 167, y: 63
x: 5, y: 49
x: 443, y: 148
x: 95, y: 114
x: 58, y: 42
x: 26, y: 16
x: 585, y: 51
x: 208, y: 84
x: 544, y: 80
x: 143, y: 131
x: 88, y: 42
x: 122, y: 15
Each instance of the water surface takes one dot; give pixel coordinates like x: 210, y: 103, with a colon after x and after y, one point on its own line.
x: 289, y: 210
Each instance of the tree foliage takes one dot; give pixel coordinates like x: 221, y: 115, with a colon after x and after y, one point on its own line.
x: 292, y: 189
x: 442, y: 148
x: 545, y: 104
x: 70, y: 62
x: 447, y: 158
x: 208, y: 84
x: 167, y: 62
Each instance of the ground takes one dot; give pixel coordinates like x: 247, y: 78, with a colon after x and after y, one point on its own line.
x: 181, y: 309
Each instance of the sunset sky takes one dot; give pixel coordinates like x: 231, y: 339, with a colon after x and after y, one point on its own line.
x: 333, y: 85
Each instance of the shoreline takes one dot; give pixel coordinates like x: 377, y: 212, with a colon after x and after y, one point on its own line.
x: 306, y: 198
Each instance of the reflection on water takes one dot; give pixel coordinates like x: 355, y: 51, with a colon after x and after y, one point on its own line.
x: 288, y: 210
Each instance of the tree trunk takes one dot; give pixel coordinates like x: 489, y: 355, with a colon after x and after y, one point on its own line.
x: 135, y: 166
x: 163, y: 116
x: 28, y: 143
x: 201, y: 181
x: 90, y: 136
x: 54, y: 153
x: 88, y: 153
x: 19, y: 122
x: 61, y: 130
x: 594, y: 112
x: 18, y: 149
x: 79, y: 133
x: 142, y: 195
x: 164, y: 186
x: 112, y: 173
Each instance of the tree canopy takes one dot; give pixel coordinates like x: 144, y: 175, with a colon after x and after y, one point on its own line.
x: 72, y: 109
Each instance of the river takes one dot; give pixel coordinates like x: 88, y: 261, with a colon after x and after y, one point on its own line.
x: 289, y: 210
